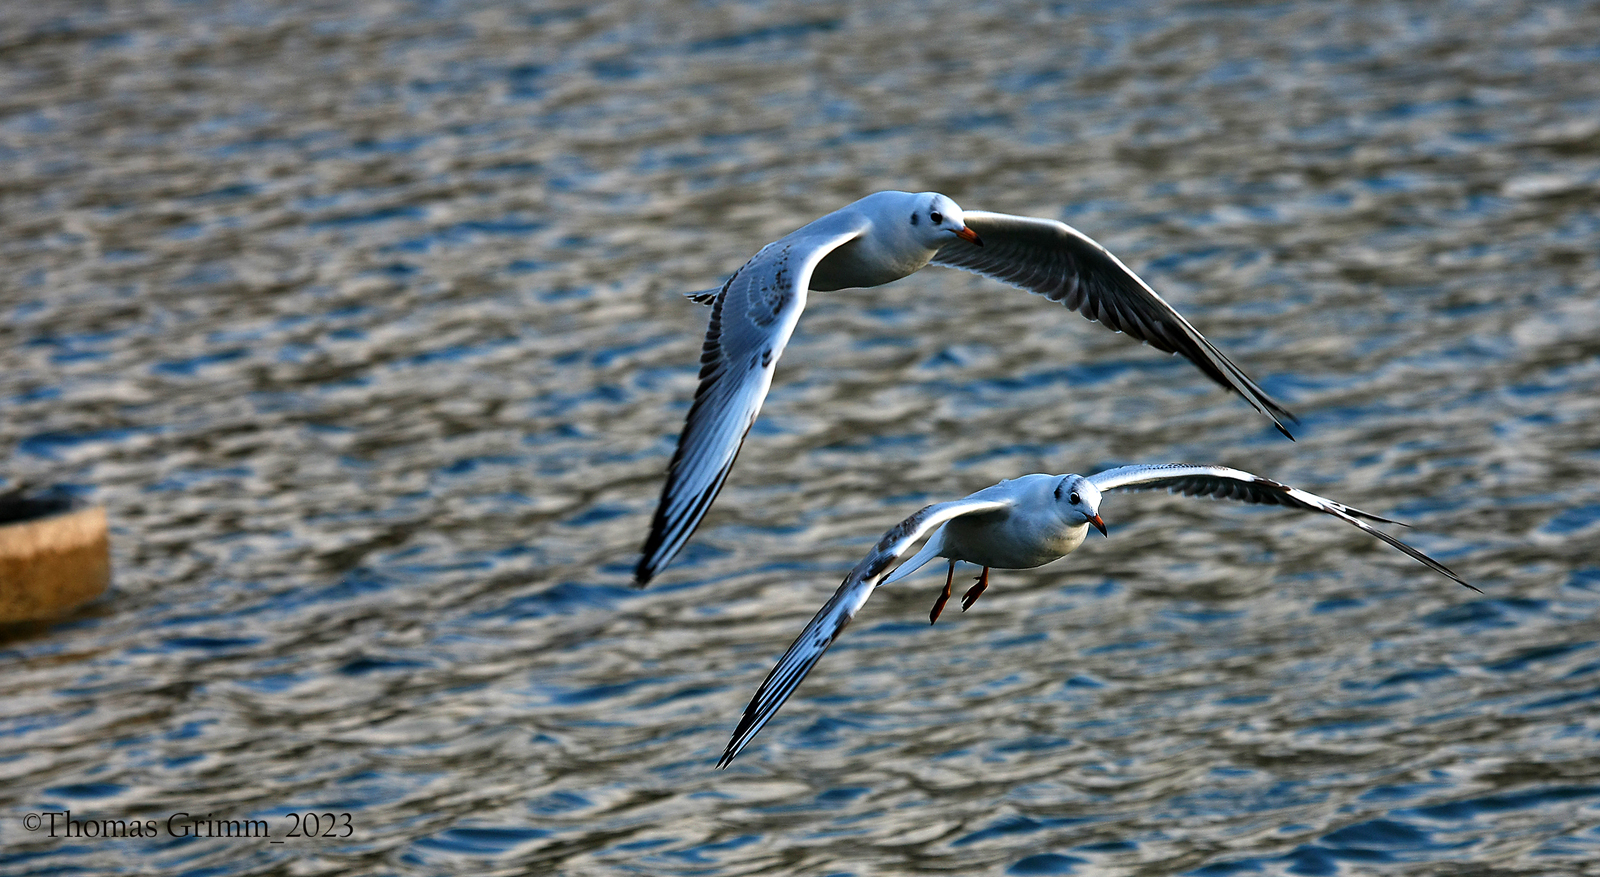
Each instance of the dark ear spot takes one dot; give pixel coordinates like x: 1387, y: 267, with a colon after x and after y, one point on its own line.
x: 913, y: 219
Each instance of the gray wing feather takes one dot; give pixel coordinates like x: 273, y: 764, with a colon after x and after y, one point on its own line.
x: 752, y: 318
x: 1062, y: 264
x: 827, y: 624
x: 1224, y: 483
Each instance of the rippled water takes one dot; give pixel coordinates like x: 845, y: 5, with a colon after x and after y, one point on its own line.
x: 363, y: 323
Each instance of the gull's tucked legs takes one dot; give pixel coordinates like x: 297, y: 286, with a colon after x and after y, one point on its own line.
x: 976, y: 591
x: 938, y: 605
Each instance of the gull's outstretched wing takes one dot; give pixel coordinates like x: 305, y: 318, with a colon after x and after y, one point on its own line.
x: 751, y: 321
x: 824, y: 628
x: 1224, y: 483
x: 1062, y: 264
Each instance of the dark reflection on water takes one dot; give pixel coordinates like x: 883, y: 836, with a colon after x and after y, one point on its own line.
x: 363, y: 322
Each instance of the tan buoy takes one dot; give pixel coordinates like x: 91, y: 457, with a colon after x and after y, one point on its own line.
x: 54, y: 557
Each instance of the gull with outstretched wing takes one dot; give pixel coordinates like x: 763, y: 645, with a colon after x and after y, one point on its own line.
x: 1019, y: 524
x: 881, y: 238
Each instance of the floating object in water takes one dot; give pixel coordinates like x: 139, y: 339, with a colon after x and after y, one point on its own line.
x: 54, y: 557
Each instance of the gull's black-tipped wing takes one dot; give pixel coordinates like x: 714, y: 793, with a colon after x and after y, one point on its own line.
x: 1062, y: 264
x: 1224, y: 483
x: 751, y: 321
x: 826, y: 625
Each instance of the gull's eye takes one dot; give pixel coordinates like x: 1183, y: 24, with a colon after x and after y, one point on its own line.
x: 1073, y: 497
x: 936, y: 216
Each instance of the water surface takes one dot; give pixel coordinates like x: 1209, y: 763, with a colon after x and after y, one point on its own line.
x: 364, y: 324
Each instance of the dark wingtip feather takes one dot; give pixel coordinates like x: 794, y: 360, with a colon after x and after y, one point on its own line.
x: 741, y: 735
x: 649, y: 563
x: 1416, y: 554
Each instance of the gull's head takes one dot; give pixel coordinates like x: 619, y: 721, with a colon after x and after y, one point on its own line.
x: 1078, y: 502
x: 936, y: 220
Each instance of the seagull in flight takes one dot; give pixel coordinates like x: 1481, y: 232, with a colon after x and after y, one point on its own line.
x: 880, y: 238
x: 1019, y: 524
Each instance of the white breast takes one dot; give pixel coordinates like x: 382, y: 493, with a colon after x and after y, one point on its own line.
x: 1012, y: 541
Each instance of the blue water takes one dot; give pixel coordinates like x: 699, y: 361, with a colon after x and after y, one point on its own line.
x: 365, y: 327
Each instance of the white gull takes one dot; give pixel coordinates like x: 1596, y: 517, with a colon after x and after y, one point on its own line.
x: 881, y: 238
x: 1018, y: 524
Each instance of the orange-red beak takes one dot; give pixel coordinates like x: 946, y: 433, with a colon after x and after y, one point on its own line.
x: 970, y: 236
x: 1099, y: 525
